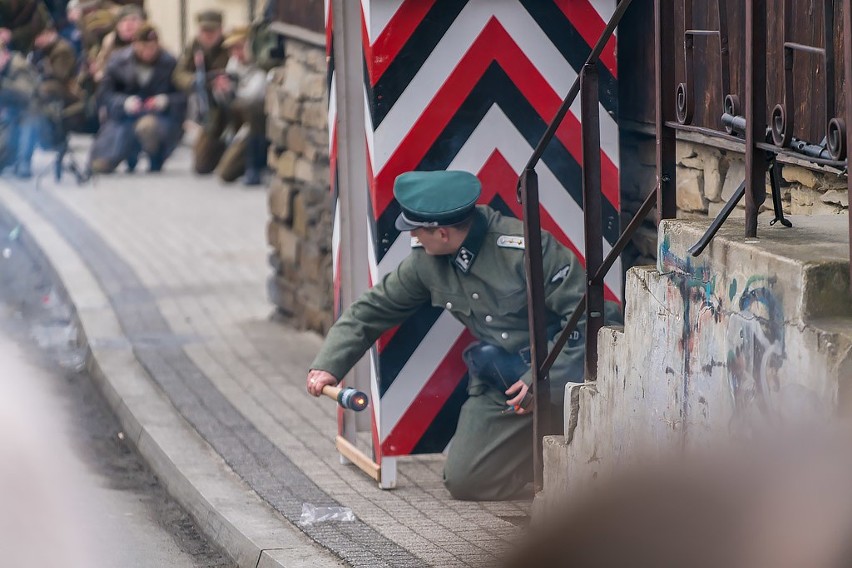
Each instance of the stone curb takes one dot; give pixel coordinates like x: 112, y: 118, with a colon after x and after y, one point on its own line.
x: 227, y: 511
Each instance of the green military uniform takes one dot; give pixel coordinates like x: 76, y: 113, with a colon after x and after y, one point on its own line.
x: 209, y: 146
x: 484, y: 287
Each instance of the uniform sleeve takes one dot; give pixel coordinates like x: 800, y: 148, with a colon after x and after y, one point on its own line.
x: 184, y: 74
x: 18, y: 88
x: 385, y: 305
x: 564, y: 286
x: 64, y: 64
x: 108, y: 94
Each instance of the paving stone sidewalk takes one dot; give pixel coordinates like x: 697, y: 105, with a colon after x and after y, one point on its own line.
x: 183, y: 260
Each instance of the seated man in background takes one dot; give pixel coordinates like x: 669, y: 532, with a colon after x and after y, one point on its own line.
x: 201, y: 72
x: 145, y: 111
x: 18, y: 82
x: 243, y: 105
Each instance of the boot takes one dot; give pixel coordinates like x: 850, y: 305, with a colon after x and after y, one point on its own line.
x: 255, y: 160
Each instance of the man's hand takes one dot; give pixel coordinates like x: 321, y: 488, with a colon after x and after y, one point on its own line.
x: 5, y: 36
x: 519, y: 389
x: 157, y: 103
x: 132, y: 105
x: 318, y: 379
x: 221, y: 84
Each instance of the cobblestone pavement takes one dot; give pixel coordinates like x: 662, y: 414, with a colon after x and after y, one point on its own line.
x: 183, y: 261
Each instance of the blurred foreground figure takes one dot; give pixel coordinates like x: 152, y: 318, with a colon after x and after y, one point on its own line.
x: 39, y: 518
x: 783, y: 505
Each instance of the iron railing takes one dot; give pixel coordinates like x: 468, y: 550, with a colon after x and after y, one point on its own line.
x: 673, y: 113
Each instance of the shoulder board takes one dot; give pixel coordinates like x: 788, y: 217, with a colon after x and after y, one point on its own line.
x: 415, y: 243
x: 507, y: 241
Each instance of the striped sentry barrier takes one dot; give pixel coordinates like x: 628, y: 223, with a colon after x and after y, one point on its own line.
x: 471, y: 85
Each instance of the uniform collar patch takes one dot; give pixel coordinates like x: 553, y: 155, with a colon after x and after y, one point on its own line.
x: 469, y: 250
x: 464, y: 259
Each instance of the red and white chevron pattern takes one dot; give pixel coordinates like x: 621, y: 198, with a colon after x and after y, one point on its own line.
x: 471, y: 85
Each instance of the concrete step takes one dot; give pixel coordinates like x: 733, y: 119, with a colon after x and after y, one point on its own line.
x: 710, y: 344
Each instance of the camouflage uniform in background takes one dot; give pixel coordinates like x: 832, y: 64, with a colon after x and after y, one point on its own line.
x: 25, y: 19
x: 209, y: 146
x: 244, y: 106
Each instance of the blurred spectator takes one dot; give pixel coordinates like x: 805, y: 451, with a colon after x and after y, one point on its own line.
x: 785, y: 504
x: 201, y: 70
x: 18, y: 82
x: 128, y: 21
x: 145, y: 111
x: 56, y: 104
x: 21, y: 20
x: 243, y: 107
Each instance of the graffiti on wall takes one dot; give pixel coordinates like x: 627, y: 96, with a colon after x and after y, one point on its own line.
x: 748, y: 318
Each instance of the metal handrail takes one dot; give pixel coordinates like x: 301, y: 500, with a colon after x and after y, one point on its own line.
x: 528, y: 196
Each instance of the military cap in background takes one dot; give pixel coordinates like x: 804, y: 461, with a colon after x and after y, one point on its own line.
x: 96, y: 25
x: 435, y: 199
x: 235, y: 36
x: 146, y: 33
x: 208, y: 19
x: 128, y: 11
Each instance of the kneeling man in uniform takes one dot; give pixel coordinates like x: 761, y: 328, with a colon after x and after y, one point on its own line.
x: 469, y: 260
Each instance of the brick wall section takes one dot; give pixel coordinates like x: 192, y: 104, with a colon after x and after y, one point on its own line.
x: 300, y: 204
x: 706, y: 178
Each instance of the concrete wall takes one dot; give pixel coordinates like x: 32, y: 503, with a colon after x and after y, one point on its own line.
x: 752, y: 333
x: 300, y: 202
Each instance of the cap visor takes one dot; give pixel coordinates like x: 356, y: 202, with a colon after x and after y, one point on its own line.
x: 402, y: 225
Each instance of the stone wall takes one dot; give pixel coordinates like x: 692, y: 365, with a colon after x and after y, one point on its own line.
x: 707, y: 177
x: 300, y: 203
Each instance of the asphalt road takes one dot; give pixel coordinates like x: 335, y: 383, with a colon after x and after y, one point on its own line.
x: 74, y: 492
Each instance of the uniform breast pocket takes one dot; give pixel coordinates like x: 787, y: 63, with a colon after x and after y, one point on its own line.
x: 454, y: 302
x: 513, y: 302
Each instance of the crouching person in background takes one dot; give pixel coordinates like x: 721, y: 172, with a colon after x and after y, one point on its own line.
x: 243, y: 98
x: 144, y: 110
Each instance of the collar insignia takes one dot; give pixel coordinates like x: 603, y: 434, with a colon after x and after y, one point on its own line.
x: 464, y: 259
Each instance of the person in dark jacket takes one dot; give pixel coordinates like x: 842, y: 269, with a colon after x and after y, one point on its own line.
x: 144, y: 109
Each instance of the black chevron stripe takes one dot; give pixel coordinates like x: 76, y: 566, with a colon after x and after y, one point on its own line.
x: 495, y: 87
x: 559, y: 29
x: 443, y: 427
x: 410, y: 58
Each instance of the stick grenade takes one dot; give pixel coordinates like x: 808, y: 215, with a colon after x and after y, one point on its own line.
x: 347, y: 397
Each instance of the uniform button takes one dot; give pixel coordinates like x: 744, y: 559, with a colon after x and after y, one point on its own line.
x: 475, y: 296
x: 504, y: 335
x: 489, y: 319
x: 449, y: 305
